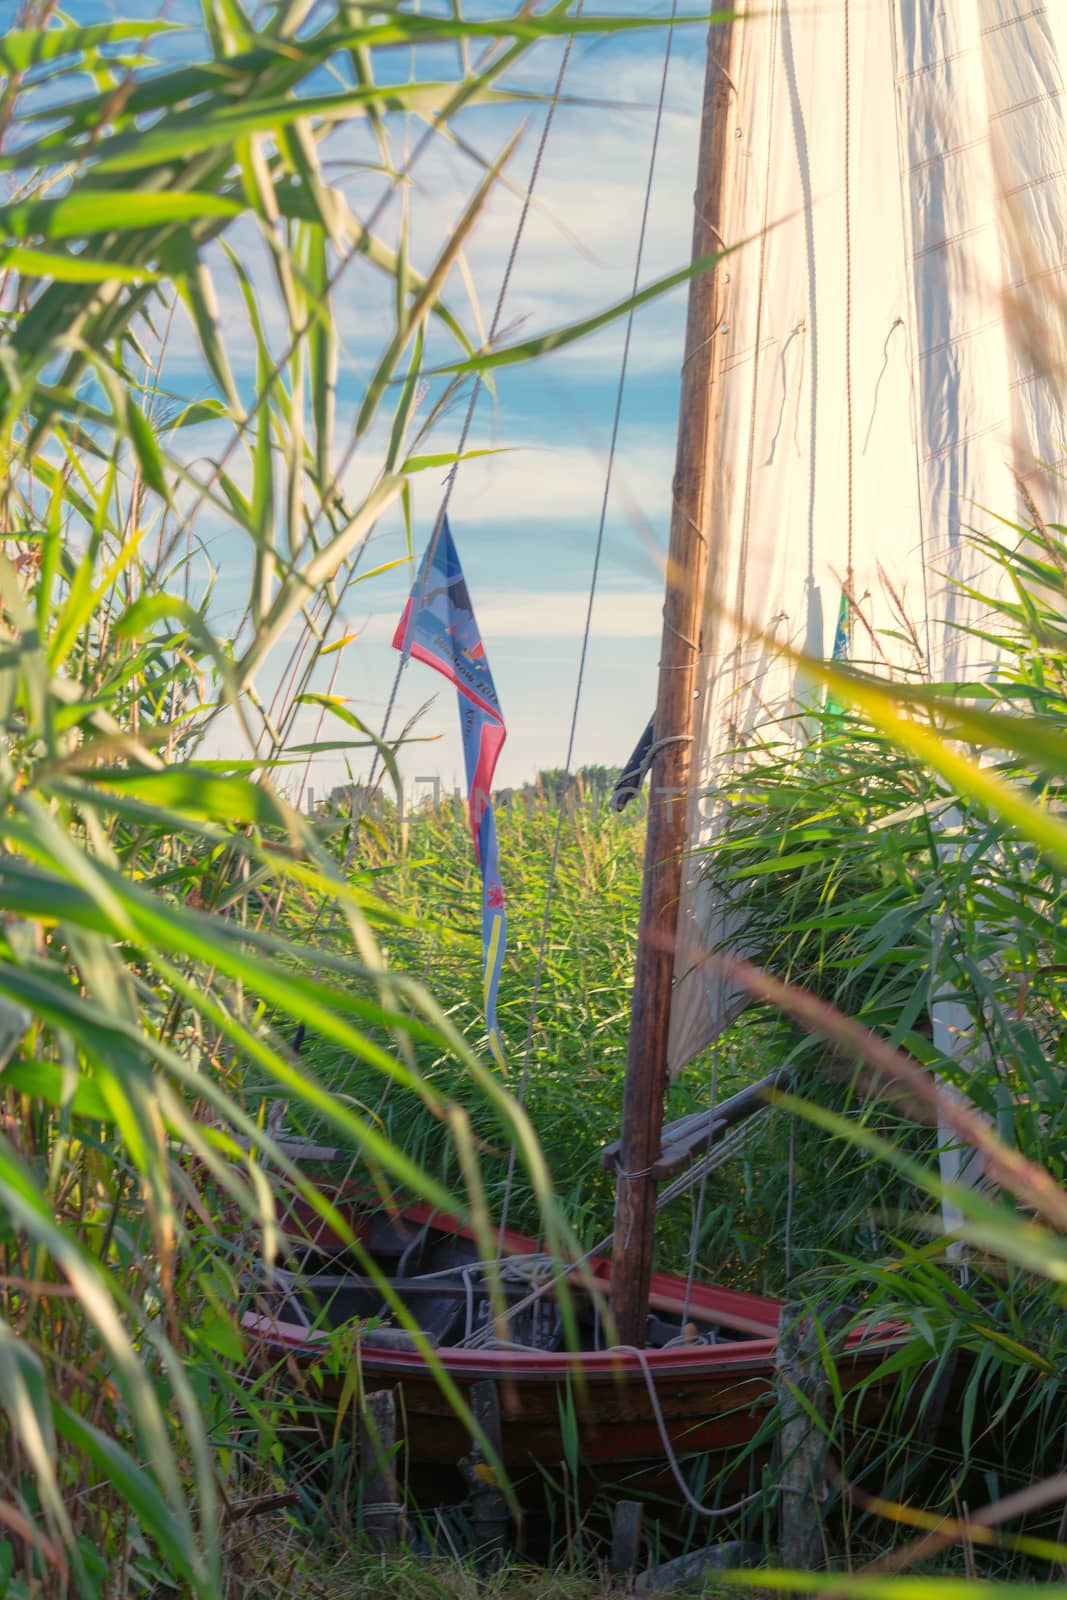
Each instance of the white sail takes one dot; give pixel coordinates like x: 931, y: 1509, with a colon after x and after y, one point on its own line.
x: 902, y: 182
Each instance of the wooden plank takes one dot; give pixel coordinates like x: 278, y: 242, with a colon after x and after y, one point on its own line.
x: 692, y: 1135
x: 688, y: 1571
x: 687, y: 572
x: 489, y: 1507
x: 626, y: 1524
x: 298, y: 1149
x: 724, y: 1319
x: 802, y: 1389
x: 382, y: 1510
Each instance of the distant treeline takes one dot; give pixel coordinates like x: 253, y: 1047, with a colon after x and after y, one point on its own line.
x: 591, y: 783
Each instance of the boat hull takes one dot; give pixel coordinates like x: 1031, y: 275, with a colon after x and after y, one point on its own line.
x: 627, y: 1409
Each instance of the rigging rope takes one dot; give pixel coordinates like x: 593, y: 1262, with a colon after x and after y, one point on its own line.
x: 741, y: 600
x: 698, y: 1209
x: 848, y: 295
x: 594, y: 576
x: 332, y: 282
x: 913, y: 394
x: 423, y: 144
x: 476, y: 389
x: 368, y: 789
x: 732, y: 1143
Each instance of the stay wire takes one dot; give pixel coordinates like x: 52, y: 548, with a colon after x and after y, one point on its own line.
x: 368, y: 789
x: 333, y: 279
x: 732, y: 1145
x: 476, y: 387
x: 594, y: 576
x: 362, y: 795
x: 850, y: 584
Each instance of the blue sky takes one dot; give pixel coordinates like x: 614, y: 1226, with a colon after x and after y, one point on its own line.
x: 525, y: 520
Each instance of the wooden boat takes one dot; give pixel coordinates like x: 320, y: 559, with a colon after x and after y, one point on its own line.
x: 867, y: 399
x: 701, y: 1383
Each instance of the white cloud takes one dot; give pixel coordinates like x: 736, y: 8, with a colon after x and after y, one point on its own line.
x: 578, y: 247
x: 509, y: 614
x: 531, y: 483
x: 563, y: 483
x: 550, y: 614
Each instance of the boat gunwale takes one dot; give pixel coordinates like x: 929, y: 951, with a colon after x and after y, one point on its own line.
x: 599, y: 1366
x: 753, y: 1353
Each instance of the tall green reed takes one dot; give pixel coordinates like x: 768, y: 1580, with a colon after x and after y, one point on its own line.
x: 934, y: 873
x: 161, y: 934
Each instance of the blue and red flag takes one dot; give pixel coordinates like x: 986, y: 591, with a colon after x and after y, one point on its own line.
x: 438, y: 627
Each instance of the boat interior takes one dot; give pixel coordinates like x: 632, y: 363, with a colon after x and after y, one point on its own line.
x: 438, y: 1275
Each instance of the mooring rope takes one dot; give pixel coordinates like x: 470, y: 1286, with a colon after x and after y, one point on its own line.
x: 673, y: 1463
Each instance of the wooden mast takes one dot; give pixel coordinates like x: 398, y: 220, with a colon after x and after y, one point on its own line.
x: 687, y: 572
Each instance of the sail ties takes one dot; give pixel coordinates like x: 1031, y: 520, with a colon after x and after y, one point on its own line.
x: 693, y: 644
x: 624, y: 1183
x: 724, y: 72
x: 691, y: 355
x: 710, y: 227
